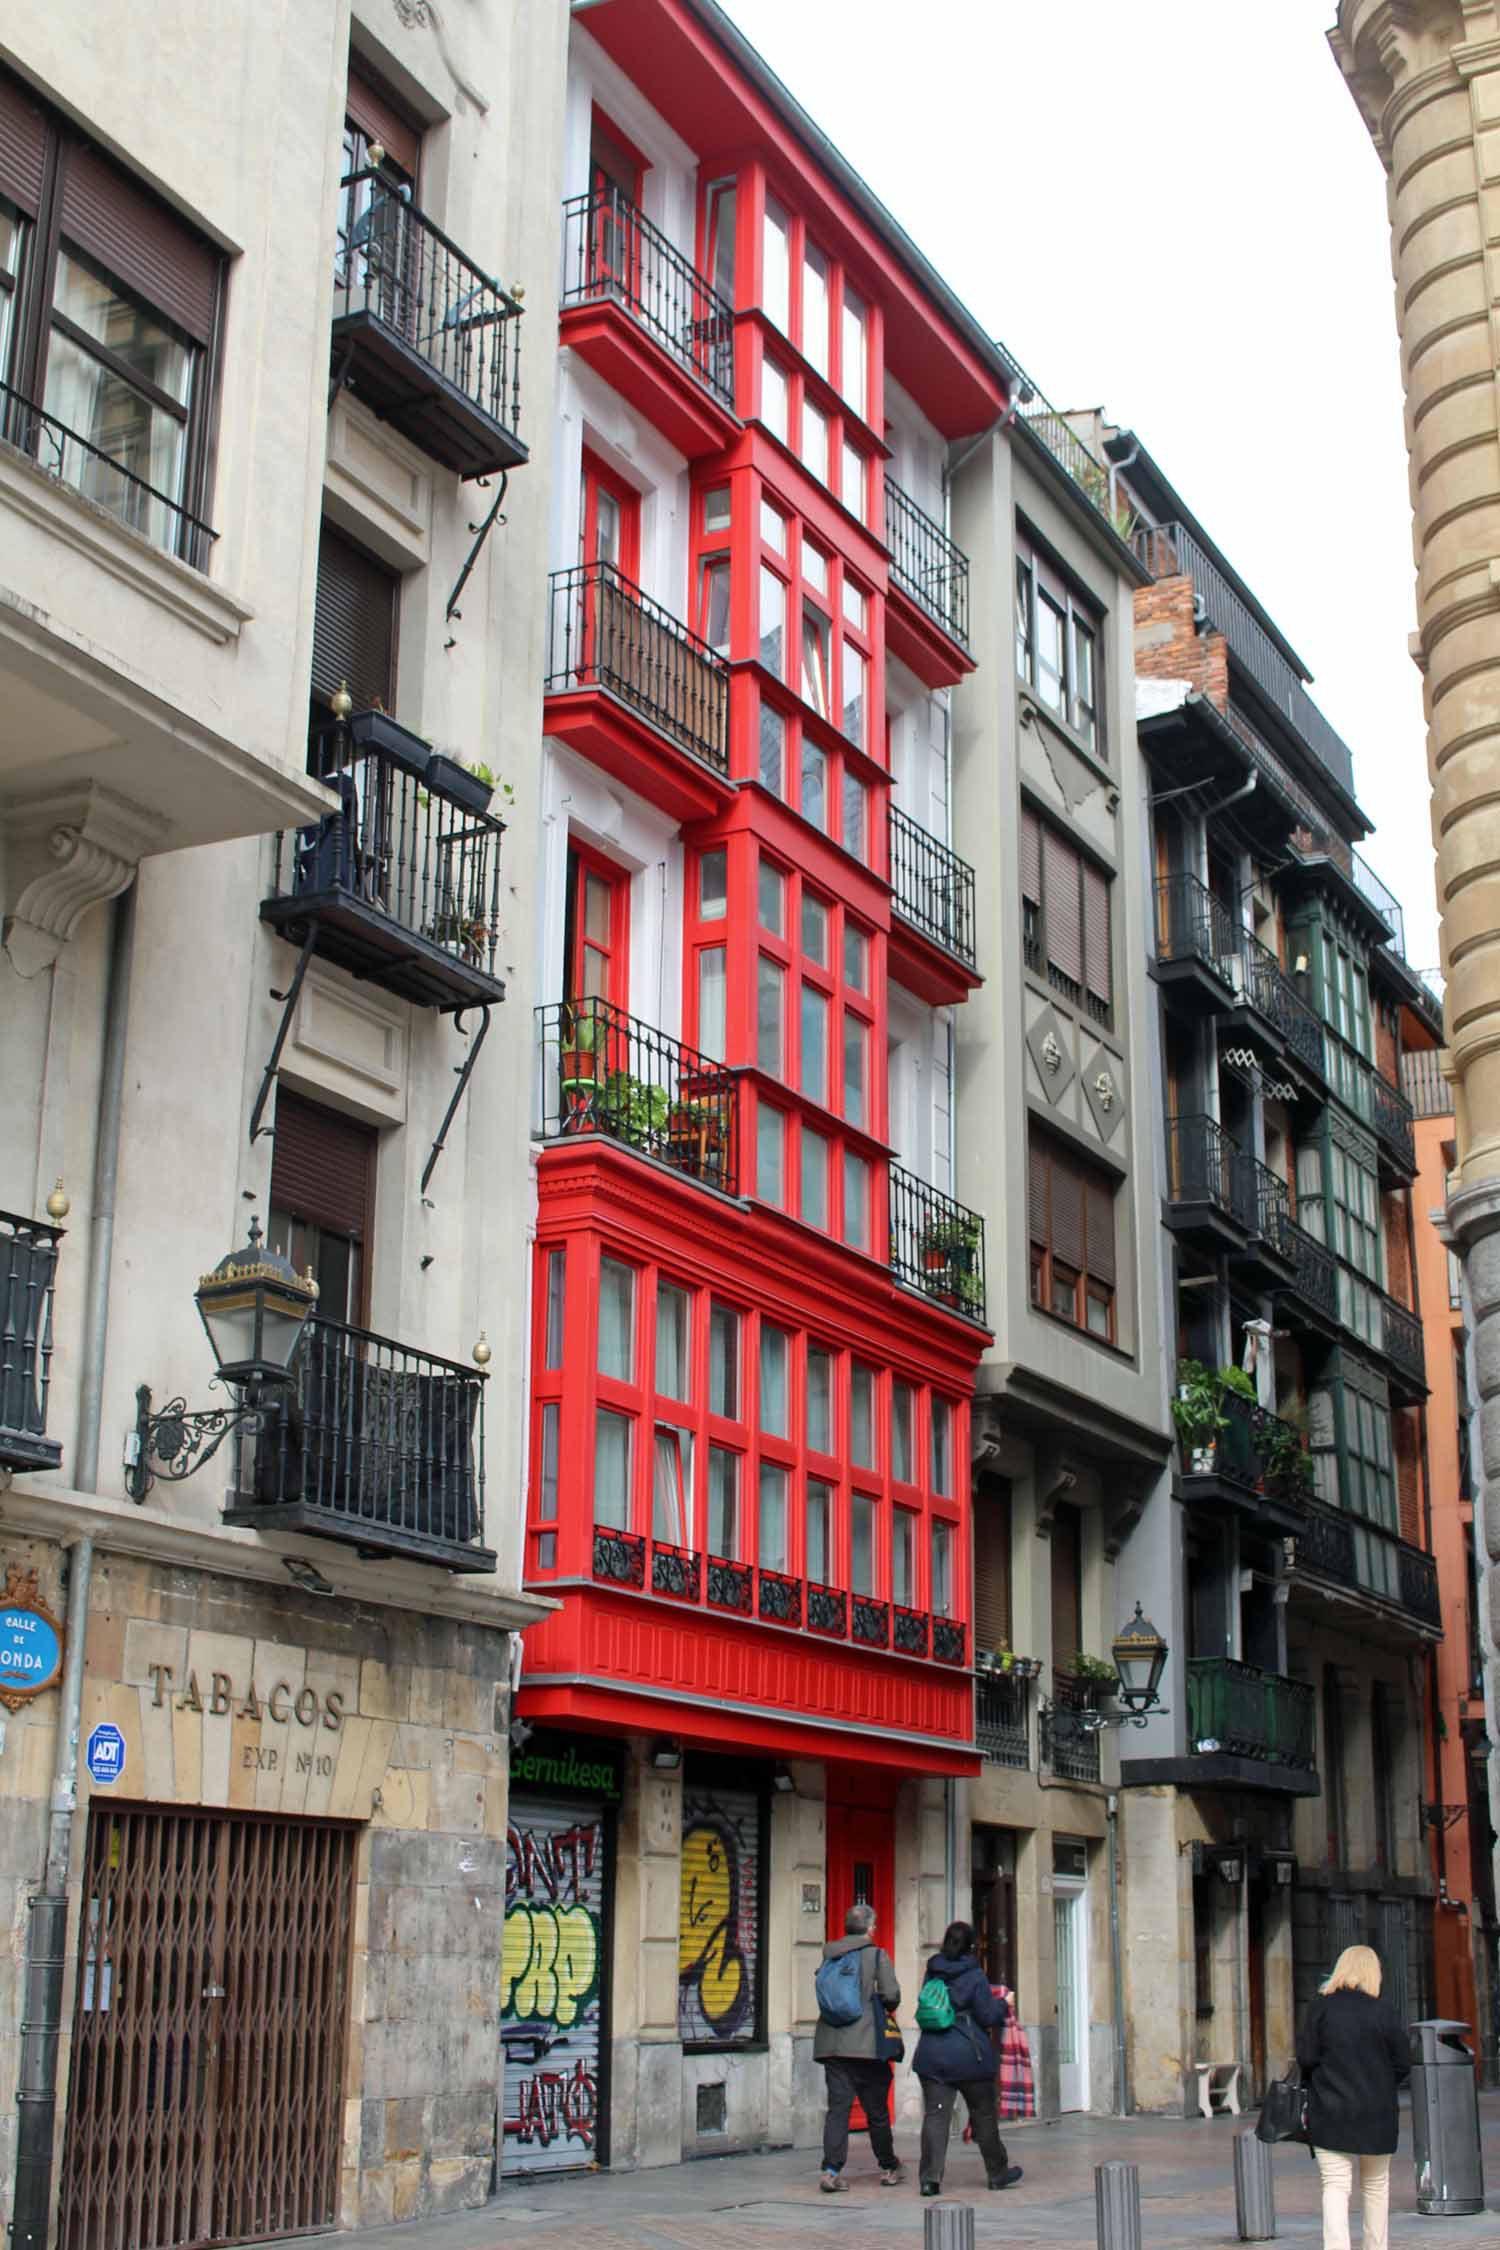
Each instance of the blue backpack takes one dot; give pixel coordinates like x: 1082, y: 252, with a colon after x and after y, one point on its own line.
x: 837, y: 1985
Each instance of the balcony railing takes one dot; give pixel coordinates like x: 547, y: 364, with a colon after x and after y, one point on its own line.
x: 926, y: 564
x: 604, y: 1071
x: 937, y: 1245
x: 1369, y: 1559
x: 1169, y: 551
x: 1207, y: 1165
x: 1315, y: 1276
x: 432, y: 342
x: 1002, y: 1719
x: 1384, y: 901
x: 1243, y: 1712
x: 1401, y: 1339
x: 1072, y: 1755
x: 1272, y: 1205
x: 404, y: 877
x: 612, y: 250
x: 103, y: 478
x: 378, y: 1445
x: 1419, y: 1584
x: 28, y: 1270
x: 603, y: 632
x: 932, y: 887
x: 1426, y: 1089
x: 1193, y: 925
x: 1255, y: 1450
x: 1273, y: 995
x: 1390, y: 1114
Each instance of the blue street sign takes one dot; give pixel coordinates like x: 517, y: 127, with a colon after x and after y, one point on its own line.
x: 30, y: 1651
x: 105, y: 1755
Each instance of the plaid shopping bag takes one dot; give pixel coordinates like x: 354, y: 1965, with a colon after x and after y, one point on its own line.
x: 1015, y: 2088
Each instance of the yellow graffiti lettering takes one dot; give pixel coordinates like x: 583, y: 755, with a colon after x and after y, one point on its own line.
x: 549, y: 1963
x: 707, y: 1956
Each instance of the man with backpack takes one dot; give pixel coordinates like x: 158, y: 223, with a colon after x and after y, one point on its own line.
x: 955, y: 2012
x: 856, y: 1986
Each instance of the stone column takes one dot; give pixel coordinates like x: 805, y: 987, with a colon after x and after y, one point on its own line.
x: 1425, y: 75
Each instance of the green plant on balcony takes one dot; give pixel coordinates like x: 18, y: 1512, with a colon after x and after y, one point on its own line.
x: 1286, y: 1464
x: 1095, y: 1675
x: 1005, y: 1661
x: 949, y: 1239
x: 1198, y: 1412
x: 632, y: 1110
x: 695, y: 1133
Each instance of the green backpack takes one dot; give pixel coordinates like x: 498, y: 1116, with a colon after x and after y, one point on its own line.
x: 935, y: 2006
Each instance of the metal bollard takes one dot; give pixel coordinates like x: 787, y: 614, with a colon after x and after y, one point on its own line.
x: 948, y: 2226
x: 1117, y: 2206
x: 1254, y: 2189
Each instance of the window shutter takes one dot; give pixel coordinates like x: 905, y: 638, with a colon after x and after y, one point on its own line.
x: 1068, y: 1228
x: 1040, y: 1232
x: 1062, y: 906
x: 1067, y: 1585
x: 1096, y: 933
x: 323, y: 1166
x: 23, y: 141
x: 354, y: 624
x: 1099, y: 1209
x: 992, y: 1533
x: 1031, y: 856
x: 139, y: 242
x: 371, y: 108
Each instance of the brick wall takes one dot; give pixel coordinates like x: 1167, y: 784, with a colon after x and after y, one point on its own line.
x: 1397, y: 1234
x: 1404, y: 1431
x: 1168, y: 645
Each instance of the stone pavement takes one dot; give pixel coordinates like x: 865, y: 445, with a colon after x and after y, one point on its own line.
x: 772, y: 2202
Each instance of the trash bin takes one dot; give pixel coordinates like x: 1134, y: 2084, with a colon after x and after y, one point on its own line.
x: 1445, y: 2120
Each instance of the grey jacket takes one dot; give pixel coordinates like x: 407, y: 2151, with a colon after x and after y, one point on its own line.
x: 876, y: 1974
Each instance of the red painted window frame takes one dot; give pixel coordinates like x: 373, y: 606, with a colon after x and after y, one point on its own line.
x: 599, y: 477
x: 588, y: 862
x: 603, y: 268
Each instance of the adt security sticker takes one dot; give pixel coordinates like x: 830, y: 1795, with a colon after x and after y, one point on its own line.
x: 105, y: 1754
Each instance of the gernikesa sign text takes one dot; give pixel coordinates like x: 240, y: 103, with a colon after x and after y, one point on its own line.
x: 280, y: 1704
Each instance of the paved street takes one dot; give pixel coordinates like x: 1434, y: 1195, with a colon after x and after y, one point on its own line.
x: 1187, y: 2197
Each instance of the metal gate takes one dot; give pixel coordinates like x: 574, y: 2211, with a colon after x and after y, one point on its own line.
x: 1391, y: 1945
x: 206, y: 2087
x: 553, y: 1981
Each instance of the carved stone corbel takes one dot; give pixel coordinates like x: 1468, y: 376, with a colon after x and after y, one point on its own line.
x: 1130, y: 1489
x: 1055, y: 1479
x: 90, y: 842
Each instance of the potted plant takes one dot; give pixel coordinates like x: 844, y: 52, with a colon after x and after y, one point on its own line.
x: 1286, y: 1465
x: 577, y: 1065
x: 1005, y: 1661
x: 1198, y: 1414
x: 1095, y: 1675
x: 632, y: 1110
x: 470, y: 787
x: 949, y: 1242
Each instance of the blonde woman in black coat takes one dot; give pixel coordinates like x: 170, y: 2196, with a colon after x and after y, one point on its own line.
x: 1354, y: 2054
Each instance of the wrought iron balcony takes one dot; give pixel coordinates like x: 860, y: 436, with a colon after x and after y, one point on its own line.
x: 431, y: 343
x: 1002, y: 1719
x: 937, y: 1245
x: 1419, y: 1583
x: 932, y: 888
x: 1272, y: 1205
x: 377, y: 1445
x: 1192, y: 924
x: 1208, y: 1174
x: 1401, y: 1340
x: 612, y: 251
x: 1315, y: 1273
x: 1325, y: 1544
x: 28, y: 1272
x: 926, y: 564
x: 401, y: 884
x: 1072, y: 1754
x: 1272, y: 994
x: 603, y: 632
x: 1390, y: 1114
x: 1337, y: 1545
x: 103, y: 479
x: 1241, y: 1711
x: 604, y: 1071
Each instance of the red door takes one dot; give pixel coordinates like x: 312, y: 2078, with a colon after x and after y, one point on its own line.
x: 609, y: 539
x: 861, y: 1872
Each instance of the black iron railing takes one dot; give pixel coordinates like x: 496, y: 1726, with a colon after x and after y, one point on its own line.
x: 950, y: 1641
x: 392, y: 265
x: 1390, y: 1114
x: 675, y: 1571
x: 926, y: 564
x: 603, y: 632
x: 911, y: 1630
x: 1273, y: 1214
x: 1259, y: 1451
x: 619, y: 1557
x: 604, y: 1071
x: 870, y: 1622
x: 1401, y: 1339
x: 1325, y: 1543
x: 1002, y: 1731
x: 1193, y: 925
x: 379, y: 1444
x: 1070, y: 1750
x: 612, y: 250
x: 1418, y: 1580
x: 1273, y: 995
x: 103, y: 478
x: 827, y: 1610
x: 28, y: 1271
x: 937, y: 1245
x: 1357, y: 1554
x: 780, y: 1598
x: 1315, y: 1273
x: 932, y: 888
x: 400, y: 843
x: 731, y: 1585
x: 1242, y: 1711
x: 1207, y: 1165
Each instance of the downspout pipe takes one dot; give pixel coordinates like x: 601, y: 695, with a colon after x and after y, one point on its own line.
x: 1116, y: 1960
x: 106, y: 1180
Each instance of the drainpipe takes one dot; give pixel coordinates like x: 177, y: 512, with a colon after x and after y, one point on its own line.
x: 46, y: 1942
x: 106, y: 1175
x: 1116, y: 1961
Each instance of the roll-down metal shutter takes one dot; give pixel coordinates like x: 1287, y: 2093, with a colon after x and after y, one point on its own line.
x: 553, y: 1975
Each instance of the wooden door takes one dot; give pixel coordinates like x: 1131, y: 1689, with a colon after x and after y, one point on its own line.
x: 862, y: 1872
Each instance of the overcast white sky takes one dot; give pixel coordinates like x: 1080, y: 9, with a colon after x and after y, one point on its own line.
x: 1173, y: 210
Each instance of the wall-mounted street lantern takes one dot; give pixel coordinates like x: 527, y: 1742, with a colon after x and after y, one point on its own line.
x: 1140, y: 1658
x: 254, y: 1307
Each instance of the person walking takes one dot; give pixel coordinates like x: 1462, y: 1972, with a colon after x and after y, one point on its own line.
x: 955, y: 2012
x: 856, y: 1985
x: 1354, y: 2054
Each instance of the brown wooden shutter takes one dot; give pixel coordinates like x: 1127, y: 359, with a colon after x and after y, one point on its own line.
x: 1031, y: 856
x: 1069, y: 1231
x: 323, y: 1166
x: 354, y: 624
x: 1096, y: 934
x: 23, y: 143
x: 138, y: 241
x: 1037, y: 1193
x: 1067, y: 1585
x: 992, y: 1531
x: 1099, y: 1210
x: 380, y: 118
x: 1062, y: 906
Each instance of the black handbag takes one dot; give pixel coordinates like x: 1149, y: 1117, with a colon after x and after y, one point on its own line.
x: 1283, y: 2110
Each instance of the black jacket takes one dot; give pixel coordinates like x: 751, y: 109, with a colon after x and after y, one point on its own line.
x: 1354, y: 2053
x: 958, y: 2056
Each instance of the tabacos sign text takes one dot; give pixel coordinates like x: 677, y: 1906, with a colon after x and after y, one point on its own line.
x: 282, y: 1704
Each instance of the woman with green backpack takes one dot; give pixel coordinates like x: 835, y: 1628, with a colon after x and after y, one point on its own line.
x: 956, y: 2011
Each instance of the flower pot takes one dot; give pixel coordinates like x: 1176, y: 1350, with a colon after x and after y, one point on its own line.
x: 936, y: 1257
x: 1203, y: 1457
x: 577, y: 1065
x: 448, y: 779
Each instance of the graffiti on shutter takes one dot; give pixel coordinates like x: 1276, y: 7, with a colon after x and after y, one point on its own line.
x: 718, y: 1928
x: 552, y: 1971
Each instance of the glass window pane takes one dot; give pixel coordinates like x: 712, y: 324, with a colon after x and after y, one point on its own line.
x: 1024, y: 664
x: 855, y: 606
x: 853, y: 490
x: 861, y: 1544
x: 814, y: 443
x: 716, y: 508
x: 771, y: 898
x: 770, y: 1008
x: 714, y: 605
x: 1051, y: 627
x: 775, y: 1394
x: 814, y: 1178
x: 819, y: 1531
x: 855, y: 355
x: 942, y: 1569
x: 903, y: 1422
x: 904, y: 1558
x: 814, y: 806
x: 814, y: 567
x: 814, y: 929
x: 815, y: 308
x: 775, y: 293
x: 856, y: 838
x: 674, y: 1308
x: 671, y: 1484
x: 1083, y: 679
x: 814, y: 1077
x: 772, y: 623
x: 774, y: 399
x: 817, y: 660
x: 862, y: 1416
x: 856, y: 1201
x: 819, y: 1399
x: 617, y: 1320
x: 772, y: 747
x: 856, y: 957
x: 546, y: 1499
x: 724, y: 1362
x: 942, y: 1446
x: 611, y: 1469
x: 711, y: 1001
x: 854, y: 694
x: 721, y: 213
x: 713, y: 885
x: 723, y: 1503
x: 856, y: 1065
x: 142, y: 344
x: 773, y: 1517
x: 557, y: 1282
x: 128, y: 432
x: 770, y: 1154
x: 773, y: 527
